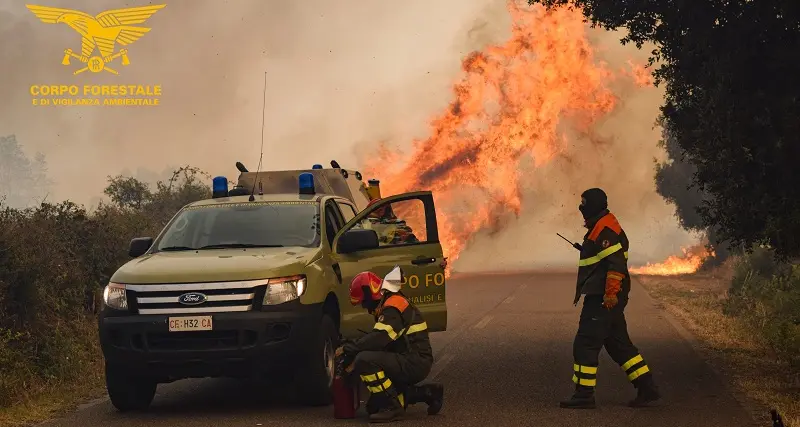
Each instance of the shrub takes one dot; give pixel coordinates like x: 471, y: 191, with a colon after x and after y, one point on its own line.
x: 54, y: 261
x: 765, y: 293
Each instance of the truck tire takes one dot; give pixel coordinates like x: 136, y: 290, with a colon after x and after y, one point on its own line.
x: 129, y: 392
x: 316, y: 374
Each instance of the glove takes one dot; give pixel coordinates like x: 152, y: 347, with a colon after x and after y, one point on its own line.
x: 609, y: 301
x: 577, y: 246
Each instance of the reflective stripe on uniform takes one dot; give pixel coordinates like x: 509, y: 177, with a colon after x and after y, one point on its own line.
x: 626, y: 254
x: 419, y: 327
x: 627, y: 365
x: 373, y: 377
x: 584, y: 375
x: 387, y: 328
x: 381, y: 387
x: 584, y: 381
x: 600, y: 255
x: 635, y: 367
x: 585, y: 369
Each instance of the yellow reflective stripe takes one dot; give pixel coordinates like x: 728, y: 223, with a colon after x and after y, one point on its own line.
x: 419, y: 327
x: 585, y: 369
x: 402, y: 400
x: 627, y: 365
x: 380, y: 388
x: 389, y: 330
x: 613, y: 275
x: 600, y: 255
x: 373, y: 377
x: 637, y: 373
x: 584, y: 381
x: 626, y: 254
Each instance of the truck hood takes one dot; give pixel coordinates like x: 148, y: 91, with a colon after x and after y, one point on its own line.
x: 215, y: 265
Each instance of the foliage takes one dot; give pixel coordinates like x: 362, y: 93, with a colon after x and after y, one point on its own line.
x: 23, y: 181
x: 731, y: 104
x: 54, y: 261
x: 765, y: 292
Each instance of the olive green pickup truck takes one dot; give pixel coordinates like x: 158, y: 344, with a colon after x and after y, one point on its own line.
x: 254, y: 282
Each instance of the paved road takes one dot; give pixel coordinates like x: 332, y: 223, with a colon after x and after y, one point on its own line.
x: 505, y: 360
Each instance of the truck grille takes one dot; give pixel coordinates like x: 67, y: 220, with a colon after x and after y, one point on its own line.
x: 220, y: 297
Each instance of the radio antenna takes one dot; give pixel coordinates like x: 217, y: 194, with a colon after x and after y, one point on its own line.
x: 261, y: 156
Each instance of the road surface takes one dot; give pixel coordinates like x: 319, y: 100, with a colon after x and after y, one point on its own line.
x: 506, y: 359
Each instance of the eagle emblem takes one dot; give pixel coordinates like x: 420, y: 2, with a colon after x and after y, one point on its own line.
x: 102, y: 33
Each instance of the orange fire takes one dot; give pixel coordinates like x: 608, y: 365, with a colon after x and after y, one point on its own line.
x: 512, y: 102
x: 691, y: 260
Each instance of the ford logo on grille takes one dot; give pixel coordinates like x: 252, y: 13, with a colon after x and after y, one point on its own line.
x: 192, y: 298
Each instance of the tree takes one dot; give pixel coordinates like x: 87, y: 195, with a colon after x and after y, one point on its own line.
x: 731, y: 104
x: 23, y: 181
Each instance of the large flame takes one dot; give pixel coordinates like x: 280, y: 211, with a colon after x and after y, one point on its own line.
x: 690, y: 262
x: 512, y: 102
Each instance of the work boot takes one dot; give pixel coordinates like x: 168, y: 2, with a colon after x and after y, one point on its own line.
x: 647, y: 391
x: 431, y: 394
x: 391, y: 411
x: 582, y: 399
x: 434, y: 397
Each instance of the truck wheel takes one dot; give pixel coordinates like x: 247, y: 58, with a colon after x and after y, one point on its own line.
x: 129, y: 392
x: 316, y: 375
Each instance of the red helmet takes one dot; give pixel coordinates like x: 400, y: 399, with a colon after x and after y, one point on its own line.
x: 366, y: 279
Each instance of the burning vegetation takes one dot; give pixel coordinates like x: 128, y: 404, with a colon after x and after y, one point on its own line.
x: 691, y: 260
x: 512, y: 103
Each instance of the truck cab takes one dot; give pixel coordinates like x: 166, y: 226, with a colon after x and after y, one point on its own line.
x: 254, y: 282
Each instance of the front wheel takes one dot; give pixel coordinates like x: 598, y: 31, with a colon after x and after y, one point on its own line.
x: 129, y: 392
x: 317, y: 373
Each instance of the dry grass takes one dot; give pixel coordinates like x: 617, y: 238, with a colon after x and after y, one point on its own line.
x: 51, y: 404
x: 735, y: 348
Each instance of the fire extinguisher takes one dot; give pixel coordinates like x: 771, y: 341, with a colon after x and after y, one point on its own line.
x: 346, y: 399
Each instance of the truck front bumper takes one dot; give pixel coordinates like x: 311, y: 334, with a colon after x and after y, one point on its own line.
x: 241, y: 344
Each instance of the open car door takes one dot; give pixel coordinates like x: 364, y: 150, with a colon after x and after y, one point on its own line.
x: 402, y: 231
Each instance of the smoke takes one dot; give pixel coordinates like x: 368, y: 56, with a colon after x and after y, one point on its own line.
x: 339, y: 75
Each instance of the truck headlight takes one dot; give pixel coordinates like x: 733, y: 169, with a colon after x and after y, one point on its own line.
x: 284, y: 289
x: 114, y: 296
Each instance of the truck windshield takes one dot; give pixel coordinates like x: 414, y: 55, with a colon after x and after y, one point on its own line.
x: 242, y: 225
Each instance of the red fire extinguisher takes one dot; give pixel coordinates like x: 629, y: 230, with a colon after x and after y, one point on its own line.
x: 346, y: 399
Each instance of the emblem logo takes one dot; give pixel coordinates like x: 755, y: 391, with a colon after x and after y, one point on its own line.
x: 380, y: 318
x: 102, y: 33
x: 605, y: 244
x: 192, y: 298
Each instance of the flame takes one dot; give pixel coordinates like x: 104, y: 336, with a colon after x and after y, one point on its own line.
x: 690, y: 262
x: 511, y: 102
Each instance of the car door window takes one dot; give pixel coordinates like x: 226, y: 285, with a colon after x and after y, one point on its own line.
x: 332, y: 222
x: 402, y: 222
x: 348, y: 211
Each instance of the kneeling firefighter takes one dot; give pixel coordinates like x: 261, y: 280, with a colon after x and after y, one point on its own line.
x: 396, y: 355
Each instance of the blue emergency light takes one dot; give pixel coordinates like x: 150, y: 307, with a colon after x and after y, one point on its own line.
x: 306, y: 181
x: 219, y: 187
x: 317, y: 166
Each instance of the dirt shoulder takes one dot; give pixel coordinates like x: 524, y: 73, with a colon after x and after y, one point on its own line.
x: 732, y: 347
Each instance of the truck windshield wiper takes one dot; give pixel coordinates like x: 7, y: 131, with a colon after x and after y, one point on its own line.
x: 238, y: 245
x: 177, y: 248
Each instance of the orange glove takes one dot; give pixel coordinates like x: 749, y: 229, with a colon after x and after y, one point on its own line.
x: 613, y: 286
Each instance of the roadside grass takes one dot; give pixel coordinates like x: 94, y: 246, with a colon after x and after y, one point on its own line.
x: 78, y: 379
x: 734, y: 345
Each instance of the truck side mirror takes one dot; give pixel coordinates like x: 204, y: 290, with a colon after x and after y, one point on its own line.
x: 139, y: 246
x: 357, y: 240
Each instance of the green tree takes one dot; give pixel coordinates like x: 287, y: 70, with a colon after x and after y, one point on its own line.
x: 23, y: 181
x: 731, y: 104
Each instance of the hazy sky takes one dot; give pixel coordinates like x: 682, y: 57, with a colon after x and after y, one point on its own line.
x: 341, y: 77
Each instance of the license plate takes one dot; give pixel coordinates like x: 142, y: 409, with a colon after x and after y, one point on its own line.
x: 193, y: 323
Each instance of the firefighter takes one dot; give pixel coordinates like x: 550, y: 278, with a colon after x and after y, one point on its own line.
x: 396, y: 354
x: 604, y: 280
